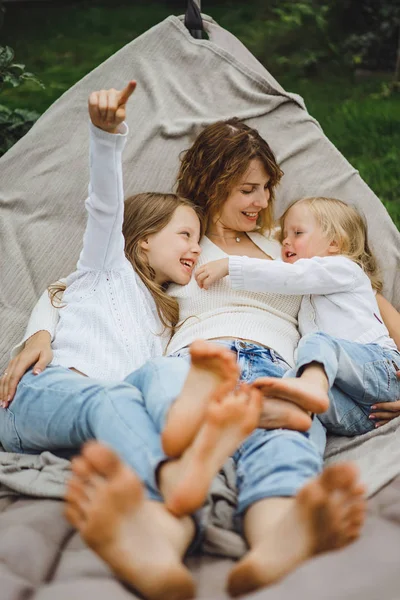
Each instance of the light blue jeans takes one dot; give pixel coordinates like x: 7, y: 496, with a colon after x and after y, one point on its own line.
x: 269, y: 463
x: 359, y: 375
x: 60, y: 410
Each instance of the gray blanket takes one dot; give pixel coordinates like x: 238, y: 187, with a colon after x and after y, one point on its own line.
x: 45, y: 475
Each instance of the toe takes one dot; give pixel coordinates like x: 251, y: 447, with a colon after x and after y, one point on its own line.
x: 359, y: 490
x: 340, y: 476
x: 81, y: 468
x: 102, y: 459
x: 76, y: 493
x: 74, y: 515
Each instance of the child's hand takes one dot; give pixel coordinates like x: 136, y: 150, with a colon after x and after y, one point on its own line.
x: 107, y: 108
x: 211, y: 272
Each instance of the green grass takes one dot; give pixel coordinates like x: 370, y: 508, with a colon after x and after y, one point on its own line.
x: 61, y: 43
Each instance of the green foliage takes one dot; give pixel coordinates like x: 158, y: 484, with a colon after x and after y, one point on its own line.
x: 307, y: 36
x: 299, y: 42
x: 13, y: 73
x: 367, y: 31
x: 13, y: 125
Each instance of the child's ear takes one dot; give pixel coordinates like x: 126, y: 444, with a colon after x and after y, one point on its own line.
x: 334, y: 247
x: 144, y: 244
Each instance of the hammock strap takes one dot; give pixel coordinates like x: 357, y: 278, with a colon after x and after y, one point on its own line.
x: 193, y: 20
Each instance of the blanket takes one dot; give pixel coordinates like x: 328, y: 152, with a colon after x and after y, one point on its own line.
x: 45, y: 476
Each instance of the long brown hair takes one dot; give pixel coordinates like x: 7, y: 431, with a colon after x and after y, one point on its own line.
x: 345, y: 225
x: 144, y: 215
x: 217, y: 160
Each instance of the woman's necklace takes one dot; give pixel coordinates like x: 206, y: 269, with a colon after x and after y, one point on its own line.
x: 235, y: 237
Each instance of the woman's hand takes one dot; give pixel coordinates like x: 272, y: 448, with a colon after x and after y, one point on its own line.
x: 211, y: 272
x: 107, y: 108
x: 384, y: 412
x: 37, y: 352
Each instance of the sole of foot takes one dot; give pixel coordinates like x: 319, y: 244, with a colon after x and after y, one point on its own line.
x: 303, y: 393
x: 327, y: 514
x: 229, y: 420
x: 277, y: 413
x: 139, y: 539
x: 212, y: 367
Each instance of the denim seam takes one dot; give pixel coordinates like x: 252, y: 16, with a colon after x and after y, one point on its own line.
x: 56, y: 389
x: 19, y: 442
x: 125, y: 425
x: 279, y: 493
x: 372, y: 365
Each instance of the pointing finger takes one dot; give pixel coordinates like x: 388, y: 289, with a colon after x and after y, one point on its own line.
x: 126, y: 93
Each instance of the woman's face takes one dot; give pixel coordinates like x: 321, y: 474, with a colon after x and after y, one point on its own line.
x: 241, y: 209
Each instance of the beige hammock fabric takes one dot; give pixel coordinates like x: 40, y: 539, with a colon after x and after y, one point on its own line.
x: 183, y: 84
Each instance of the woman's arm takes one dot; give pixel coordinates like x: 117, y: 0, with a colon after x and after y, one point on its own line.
x: 33, y: 350
x: 103, y: 242
x: 391, y: 318
x: 386, y: 411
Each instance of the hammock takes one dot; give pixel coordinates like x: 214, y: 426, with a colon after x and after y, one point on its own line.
x: 184, y: 83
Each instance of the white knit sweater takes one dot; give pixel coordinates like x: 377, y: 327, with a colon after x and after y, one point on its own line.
x: 265, y: 318
x: 109, y: 326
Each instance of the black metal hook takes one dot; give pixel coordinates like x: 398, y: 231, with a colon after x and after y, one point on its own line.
x: 193, y: 20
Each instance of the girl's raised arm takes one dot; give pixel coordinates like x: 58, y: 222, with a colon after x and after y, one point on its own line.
x: 103, y: 242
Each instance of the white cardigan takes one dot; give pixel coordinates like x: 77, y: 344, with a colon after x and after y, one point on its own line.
x: 338, y: 298
x: 109, y: 326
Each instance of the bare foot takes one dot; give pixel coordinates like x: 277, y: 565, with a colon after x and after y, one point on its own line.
x: 276, y: 413
x: 228, y: 421
x: 326, y: 514
x: 138, y: 538
x: 212, y: 366
x: 299, y: 390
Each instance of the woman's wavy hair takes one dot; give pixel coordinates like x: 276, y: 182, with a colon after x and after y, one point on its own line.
x: 345, y: 225
x: 216, y: 162
x: 144, y: 215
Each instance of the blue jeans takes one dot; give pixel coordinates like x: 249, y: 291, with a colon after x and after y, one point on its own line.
x: 359, y: 376
x: 59, y: 410
x: 268, y: 463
